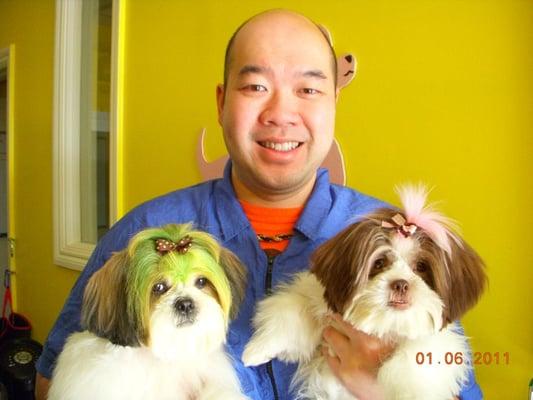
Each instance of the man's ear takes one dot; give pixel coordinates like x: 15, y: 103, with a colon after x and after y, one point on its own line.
x: 220, y: 101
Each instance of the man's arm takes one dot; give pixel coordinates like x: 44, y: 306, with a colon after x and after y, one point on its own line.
x: 41, y: 387
x: 68, y: 321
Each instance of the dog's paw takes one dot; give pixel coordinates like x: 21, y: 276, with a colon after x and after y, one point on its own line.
x: 253, y: 356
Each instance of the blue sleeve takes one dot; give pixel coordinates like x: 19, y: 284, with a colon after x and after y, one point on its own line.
x: 68, y: 321
x: 470, y: 390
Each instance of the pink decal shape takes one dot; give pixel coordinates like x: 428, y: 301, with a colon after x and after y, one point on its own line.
x: 209, y: 170
x: 346, y: 63
x: 334, y: 162
x: 346, y: 69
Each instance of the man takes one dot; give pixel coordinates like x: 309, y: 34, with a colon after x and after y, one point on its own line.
x: 277, y: 112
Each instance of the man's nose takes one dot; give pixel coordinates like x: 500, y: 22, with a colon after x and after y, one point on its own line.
x: 280, y: 110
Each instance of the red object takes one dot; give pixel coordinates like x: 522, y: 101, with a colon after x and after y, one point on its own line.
x: 12, y: 325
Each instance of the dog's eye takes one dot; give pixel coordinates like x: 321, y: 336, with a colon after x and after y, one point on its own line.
x: 201, y: 282
x: 160, y: 288
x: 421, y: 266
x: 379, y: 264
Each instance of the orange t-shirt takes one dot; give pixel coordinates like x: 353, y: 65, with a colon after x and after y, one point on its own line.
x: 272, y: 221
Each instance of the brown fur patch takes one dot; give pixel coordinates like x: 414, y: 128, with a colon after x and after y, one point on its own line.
x: 468, y: 280
x: 236, y: 274
x: 341, y: 264
x: 104, y: 310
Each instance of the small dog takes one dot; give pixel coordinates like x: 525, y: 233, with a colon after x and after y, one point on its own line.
x: 402, y: 276
x: 156, y: 317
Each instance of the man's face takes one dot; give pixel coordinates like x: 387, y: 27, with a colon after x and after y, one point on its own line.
x: 278, y: 109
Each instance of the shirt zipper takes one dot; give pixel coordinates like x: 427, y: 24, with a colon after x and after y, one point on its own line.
x: 271, y: 255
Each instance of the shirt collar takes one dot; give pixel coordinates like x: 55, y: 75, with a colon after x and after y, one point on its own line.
x: 233, y: 220
x: 316, y: 208
x: 230, y: 214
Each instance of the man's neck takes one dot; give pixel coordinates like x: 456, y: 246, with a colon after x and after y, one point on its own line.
x: 296, y: 198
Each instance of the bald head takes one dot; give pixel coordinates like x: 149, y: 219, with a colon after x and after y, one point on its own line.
x: 274, y: 19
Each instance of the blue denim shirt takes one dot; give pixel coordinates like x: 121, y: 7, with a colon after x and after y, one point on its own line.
x: 212, y: 206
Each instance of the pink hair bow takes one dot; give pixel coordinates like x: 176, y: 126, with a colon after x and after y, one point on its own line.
x: 401, y: 225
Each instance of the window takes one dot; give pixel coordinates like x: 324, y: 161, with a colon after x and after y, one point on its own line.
x: 85, y: 126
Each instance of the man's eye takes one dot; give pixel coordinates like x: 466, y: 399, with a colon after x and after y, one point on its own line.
x: 310, y: 91
x: 256, y: 88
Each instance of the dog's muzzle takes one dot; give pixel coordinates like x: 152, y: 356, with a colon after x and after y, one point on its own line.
x: 186, y: 310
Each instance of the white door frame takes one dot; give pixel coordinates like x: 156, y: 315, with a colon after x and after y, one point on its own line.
x: 6, y: 66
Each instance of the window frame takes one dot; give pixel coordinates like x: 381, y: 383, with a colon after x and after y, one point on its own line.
x: 69, y: 250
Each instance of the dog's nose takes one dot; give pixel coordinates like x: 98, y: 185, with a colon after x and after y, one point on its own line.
x: 185, y: 306
x: 400, y: 286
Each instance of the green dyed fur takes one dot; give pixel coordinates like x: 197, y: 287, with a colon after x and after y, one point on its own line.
x: 148, y: 267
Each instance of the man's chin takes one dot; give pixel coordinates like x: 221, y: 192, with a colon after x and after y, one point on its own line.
x: 284, y: 186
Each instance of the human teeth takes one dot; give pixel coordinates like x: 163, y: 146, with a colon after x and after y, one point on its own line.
x: 285, y: 146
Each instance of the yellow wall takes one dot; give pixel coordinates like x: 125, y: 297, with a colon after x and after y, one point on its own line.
x: 443, y: 95
x: 28, y: 26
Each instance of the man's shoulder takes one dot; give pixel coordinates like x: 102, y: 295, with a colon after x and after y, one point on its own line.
x: 187, y: 205
x: 179, y: 206
x: 354, y: 202
x: 332, y: 208
x: 179, y: 203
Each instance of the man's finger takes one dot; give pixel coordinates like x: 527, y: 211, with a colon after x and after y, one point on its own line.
x: 333, y: 361
x: 340, y: 324
x: 338, y: 342
x: 372, y: 343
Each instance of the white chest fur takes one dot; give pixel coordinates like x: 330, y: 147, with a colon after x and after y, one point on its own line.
x: 436, y: 374
x: 92, y: 368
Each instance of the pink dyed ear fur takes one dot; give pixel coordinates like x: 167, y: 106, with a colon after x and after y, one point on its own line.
x: 437, y: 226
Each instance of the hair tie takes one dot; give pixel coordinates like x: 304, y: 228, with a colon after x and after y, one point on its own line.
x: 164, y: 246
x: 401, y: 225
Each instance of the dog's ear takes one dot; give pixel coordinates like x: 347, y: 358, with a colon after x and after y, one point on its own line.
x: 104, y: 310
x: 467, y: 277
x: 341, y: 263
x: 236, y: 274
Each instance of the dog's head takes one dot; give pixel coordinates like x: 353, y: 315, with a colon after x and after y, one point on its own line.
x: 171, y: 288
x: 400, y: 273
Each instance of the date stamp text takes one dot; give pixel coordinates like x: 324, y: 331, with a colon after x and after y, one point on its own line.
x: 458, y: 358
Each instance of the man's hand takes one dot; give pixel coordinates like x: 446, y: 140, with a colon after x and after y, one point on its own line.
x: 41, y: 387
x: 355, y: 357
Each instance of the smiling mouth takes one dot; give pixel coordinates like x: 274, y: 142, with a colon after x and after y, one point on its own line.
x: 283, y: 147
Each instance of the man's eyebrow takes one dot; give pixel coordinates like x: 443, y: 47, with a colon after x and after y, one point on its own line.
x: 252, y: 69
x: 314, y: 73
x: 257, y: 69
